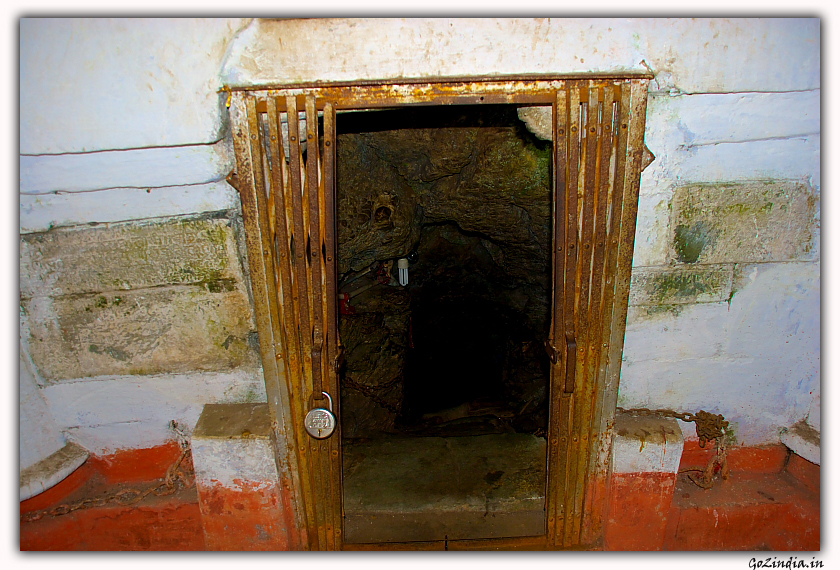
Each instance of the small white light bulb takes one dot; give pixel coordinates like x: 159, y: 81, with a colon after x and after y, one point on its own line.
x: 402, y: 265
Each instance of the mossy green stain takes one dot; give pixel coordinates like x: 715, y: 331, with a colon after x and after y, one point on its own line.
x: 690, y: 241
x: 730, y: 437
x: 655, y: 310
x: 672, y: 286
x: 220, y: 285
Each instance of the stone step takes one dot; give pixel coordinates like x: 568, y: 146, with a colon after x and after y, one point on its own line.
x: 437, y: 488
x: 749, y: 511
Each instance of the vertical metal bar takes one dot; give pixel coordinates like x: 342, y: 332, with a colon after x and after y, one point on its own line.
x: 315, y: 246
x: 300, y: 235
x: 316, y: 271
x: 333, y: 342
x: 284, y: 265
x: 605, y: 146
x: 302, y: 274
x: 259, y: 244
x: 567, y: 401
x: 292, y: 340
x: 634, y: 124
x: 556, y: 453
x: 581, y: 408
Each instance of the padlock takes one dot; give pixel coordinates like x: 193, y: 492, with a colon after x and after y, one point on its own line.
x: 319, y: 422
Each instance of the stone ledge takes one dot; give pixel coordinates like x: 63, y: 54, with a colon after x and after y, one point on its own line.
x: 51, y: 470
x: 233, y: 421
x: 646, y: 444
x: 231, y: 447
x: 803, y: 440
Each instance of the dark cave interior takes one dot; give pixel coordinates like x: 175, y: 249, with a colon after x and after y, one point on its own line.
x: 461, y: 195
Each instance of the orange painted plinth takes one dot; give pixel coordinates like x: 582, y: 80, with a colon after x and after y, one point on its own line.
x: 745, y: 527
x: 749, y: 511
x: 252, y: 516
x: 805, y: 472
x: 638, y: 511
x: 173, y: 525
x: 757, y: 459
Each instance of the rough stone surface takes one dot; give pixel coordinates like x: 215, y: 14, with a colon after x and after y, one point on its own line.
x: 375, y: 339
x: 479, y: 170
x: 743, y: 222
x: 538, y: 121
x: 463, y: 192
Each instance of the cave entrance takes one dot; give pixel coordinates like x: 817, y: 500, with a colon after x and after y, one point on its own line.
x: 475, y: 400
x: 444, y: 265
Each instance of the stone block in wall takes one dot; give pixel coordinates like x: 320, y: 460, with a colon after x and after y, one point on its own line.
x: 680, y: 285
x: 150, y: 297
x: 148, y: 331
x: 744, y: 222
x: 200, y: 250
x: 242, y: 504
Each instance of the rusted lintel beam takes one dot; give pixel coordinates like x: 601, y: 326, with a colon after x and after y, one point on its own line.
x: 354, y: 101
x: 348, y: 97
x: 524, y: 77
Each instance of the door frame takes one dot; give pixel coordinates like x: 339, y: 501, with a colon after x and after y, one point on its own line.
x: 582, y: 396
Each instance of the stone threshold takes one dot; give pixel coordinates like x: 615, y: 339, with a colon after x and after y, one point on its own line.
x: 405, y: 489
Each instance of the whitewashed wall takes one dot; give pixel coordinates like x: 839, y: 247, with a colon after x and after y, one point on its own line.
x: 734, y: 101
x: 121, y: 120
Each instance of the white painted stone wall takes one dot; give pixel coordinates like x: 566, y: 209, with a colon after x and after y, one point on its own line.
x: 39, y: 435
x: 121, y: 120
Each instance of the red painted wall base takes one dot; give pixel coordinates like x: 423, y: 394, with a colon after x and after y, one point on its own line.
x: 771, y: 502
x: 639, y: 508
x: 249, y: 518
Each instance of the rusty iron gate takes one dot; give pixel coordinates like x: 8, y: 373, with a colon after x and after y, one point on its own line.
x: 286, y: 164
